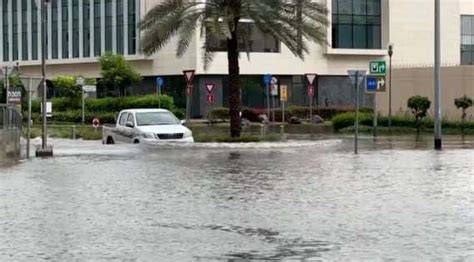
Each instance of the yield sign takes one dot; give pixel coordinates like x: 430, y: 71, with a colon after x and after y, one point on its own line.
x: 31, y: 83
x: 310, y: 78
x: 189, y: 76
x: 210, y: 87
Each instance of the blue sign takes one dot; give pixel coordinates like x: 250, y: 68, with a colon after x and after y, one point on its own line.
x: 267, y: 79
x: 159, y: 81
x: 372, y: 85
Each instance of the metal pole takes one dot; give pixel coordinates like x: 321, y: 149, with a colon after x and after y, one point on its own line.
x: 283, y: 119
x: 7, y: 84
x: 43, y: 72
x: 83, y: 106
x: 375, y: 115
x: 29, y: 120
x: 188, y: 104
x: 437, y: 75
x: 356, y: 133
x: 311, y: 114
x: 159, y: 97
x: 268, y: 102
x: 390, y: 93
x: 273, y: 108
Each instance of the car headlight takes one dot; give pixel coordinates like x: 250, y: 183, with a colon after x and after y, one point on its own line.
x: 188, y: 134
x: 149, y: 135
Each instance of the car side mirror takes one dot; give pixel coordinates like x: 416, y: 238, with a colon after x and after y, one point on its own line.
x: 130, y: 124
x: 183, y: 122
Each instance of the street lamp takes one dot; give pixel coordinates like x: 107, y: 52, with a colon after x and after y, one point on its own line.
x: 390, y: 54
x: 44, y: 151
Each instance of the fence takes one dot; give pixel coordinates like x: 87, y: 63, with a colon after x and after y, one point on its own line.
x: 10, y: 133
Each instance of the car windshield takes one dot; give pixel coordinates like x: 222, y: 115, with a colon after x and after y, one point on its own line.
x: 156, y: 119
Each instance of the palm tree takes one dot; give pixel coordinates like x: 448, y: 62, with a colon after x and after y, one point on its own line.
x: 292, y: 22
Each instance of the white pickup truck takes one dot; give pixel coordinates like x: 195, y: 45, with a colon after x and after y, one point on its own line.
x: 142, y: 126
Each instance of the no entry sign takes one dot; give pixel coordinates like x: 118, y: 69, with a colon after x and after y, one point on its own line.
x: 210, y: 99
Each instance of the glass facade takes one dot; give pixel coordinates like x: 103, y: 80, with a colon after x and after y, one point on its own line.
x: 76, y: 27
x: 356, y: 24
x: 467, y: 40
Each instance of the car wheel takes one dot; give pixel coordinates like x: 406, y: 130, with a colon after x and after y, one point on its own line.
x: 110, y: 141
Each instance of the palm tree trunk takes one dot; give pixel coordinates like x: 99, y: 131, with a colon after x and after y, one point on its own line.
x: 234, y: 85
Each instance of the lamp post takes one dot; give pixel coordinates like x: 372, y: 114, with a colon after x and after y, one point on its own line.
x: 437, y: 77
x: 390, y: 54
x: 44, y: 151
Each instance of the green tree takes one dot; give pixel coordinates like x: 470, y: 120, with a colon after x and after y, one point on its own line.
x: 117, y: 74
x: 67, y: 87
x: 419, y: 107
x: 292, y: 22
x: 463, y: 103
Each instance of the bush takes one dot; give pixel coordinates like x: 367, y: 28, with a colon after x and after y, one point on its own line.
x: 221, y: 113
x: 419, y: 106
x: 348, y: 119
x: 109, y: 104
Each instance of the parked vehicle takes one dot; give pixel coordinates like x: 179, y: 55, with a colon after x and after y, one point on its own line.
x: 139, y: 126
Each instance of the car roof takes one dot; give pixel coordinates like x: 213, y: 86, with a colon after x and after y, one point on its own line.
x: 150, y: 110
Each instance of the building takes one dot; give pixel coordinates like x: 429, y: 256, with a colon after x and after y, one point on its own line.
x: 81, y: 30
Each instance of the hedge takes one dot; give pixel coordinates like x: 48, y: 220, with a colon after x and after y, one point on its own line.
x: 347, y: 120
x: 109, y: 104
x: 251, y: 114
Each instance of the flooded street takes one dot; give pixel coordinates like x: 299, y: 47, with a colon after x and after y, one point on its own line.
x: 294, y: 201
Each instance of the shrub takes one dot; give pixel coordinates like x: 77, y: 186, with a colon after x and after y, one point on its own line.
x: 463, y: 103
x: 419, y: 107
x: 348, y: 119
x: 220, y: 113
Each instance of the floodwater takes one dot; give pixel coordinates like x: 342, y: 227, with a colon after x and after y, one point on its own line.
x: 293, y: 201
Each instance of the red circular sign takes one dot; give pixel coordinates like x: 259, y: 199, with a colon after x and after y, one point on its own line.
x: 95, y: 123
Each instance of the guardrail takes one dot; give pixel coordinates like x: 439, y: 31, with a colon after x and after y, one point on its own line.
x: 10, y: 132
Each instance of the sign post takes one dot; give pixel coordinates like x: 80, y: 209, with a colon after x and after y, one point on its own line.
x: 376, y: 83
x: 274, y: 93
x: 159, y: 85
x: 283, y: 100
x: 189, y: 77
x: 209, y: 99
x: 80, y: 82
x: 310, y: 78
x: 267, y: 79
x: 357, y: 76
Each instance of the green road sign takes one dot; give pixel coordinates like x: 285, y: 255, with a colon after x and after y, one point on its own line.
x: 378, y: 68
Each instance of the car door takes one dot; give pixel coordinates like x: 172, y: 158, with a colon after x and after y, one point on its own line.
x: 120, y: 130
x: 130, y: 132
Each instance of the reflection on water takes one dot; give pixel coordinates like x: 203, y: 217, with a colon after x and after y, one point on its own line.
x: 295, y: 201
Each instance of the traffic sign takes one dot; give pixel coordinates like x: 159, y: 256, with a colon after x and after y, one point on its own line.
x: 310, y: 78
x: 358, y: 75
x: 210, y: 87
x: 14, y: 95
x: 311, y: 90
x: 210, y: 98
x: 189, y: 89
x: 283, y: 93
x: 376, y: 84
x: 274, y: 80
x: 189, y: 76
x: 267, y: 79
x: 160, y: 81
x: 274, y: 90
x: 89, y: 88
x: 80, y: 81
x: 95, y: 123
x: 378, y: 68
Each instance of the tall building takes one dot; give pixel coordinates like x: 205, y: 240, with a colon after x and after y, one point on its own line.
x: 79, y: 31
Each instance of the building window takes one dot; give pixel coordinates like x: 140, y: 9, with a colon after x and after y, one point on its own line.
x: 5, y: 31
x: 65, y: 29
x: 25, y: 30
x: 75, y: 28
x: 132, y: 29
x: 108, y: 25
x: 85, y: 25
x: 15, y: 30
x: 119, y: 26
x: 467, y: 40
x: 356, y: 24
x: 97, y: 32
x: 54, y: 31
x: 258, y: 41
x: 34, y: 30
